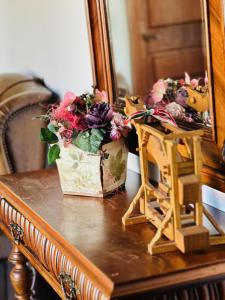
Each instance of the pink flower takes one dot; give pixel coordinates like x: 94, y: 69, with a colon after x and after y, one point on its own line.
x: 194, y: 83
x: 119, y: 127
x: 61, y: 129
x: 115, y: 134
x: 158, y: 91
x: 66, y: 135
x: 176, y: 110
x: 68, y: 99
x: 101, y: 96
x: 117, y: 120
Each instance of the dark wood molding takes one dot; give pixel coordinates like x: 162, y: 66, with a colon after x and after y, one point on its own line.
x: 100, y: 46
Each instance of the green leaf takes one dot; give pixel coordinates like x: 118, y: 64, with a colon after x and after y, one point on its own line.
x: 89, y: 140
x: 82, y: 140
x: 47, y: 136
x: 42, y: 117
x: 52, y: 128
x: 53, y: 153
x: 96, y: 138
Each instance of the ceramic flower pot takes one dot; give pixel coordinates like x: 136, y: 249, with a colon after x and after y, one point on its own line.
x: 88, y: 174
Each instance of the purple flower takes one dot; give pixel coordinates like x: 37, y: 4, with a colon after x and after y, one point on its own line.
x: 99, y: 115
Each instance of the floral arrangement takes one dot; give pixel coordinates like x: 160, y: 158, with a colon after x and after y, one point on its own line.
x: 174, y: 97
x: 86, y: 121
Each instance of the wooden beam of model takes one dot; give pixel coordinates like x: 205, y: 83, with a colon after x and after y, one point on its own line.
x: 174, y: 206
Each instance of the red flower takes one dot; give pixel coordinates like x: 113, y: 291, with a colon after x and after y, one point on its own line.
x: 182, y: 82
x: 61, y: 114
x: 78, y: 123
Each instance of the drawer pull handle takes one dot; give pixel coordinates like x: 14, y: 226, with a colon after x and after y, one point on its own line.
x: 16, y: 232
x: 70, y: 290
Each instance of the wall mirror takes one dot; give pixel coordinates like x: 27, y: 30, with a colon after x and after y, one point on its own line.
x: 137, y: 42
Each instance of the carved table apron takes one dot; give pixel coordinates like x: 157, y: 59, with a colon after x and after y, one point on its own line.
x: 78, y: 244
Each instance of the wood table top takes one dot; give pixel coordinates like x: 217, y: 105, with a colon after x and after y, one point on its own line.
x: 92, y: 227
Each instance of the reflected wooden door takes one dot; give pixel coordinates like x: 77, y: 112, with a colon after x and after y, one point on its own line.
x: 166, y: 40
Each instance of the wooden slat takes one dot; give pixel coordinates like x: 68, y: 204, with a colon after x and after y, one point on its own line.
x: 164, y: 35
x: 168, y: 12
x: 170, y: 65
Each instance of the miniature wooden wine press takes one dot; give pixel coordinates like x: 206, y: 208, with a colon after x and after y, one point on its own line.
x: 174, y: 206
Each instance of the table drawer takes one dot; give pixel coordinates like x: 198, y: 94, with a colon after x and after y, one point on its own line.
x: 51, y: 258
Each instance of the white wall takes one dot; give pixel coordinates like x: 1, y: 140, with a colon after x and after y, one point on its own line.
x: 48, y: 38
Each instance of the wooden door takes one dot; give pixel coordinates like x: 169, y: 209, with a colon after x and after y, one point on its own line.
x: 166, y: 40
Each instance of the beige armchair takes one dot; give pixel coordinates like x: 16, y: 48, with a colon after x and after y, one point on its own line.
x: 21, y: 99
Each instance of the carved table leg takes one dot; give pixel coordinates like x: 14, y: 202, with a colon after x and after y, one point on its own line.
x: 22, y: 277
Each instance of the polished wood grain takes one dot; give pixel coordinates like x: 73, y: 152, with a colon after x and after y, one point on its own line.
x: 69, y: 233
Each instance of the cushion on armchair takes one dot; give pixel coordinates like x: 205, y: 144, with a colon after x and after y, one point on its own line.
x: 21, y: 99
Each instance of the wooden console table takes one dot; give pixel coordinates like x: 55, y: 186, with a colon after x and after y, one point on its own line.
x: 82, y: 239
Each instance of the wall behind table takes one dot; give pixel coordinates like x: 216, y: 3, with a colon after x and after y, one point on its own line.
x: 48, y: 38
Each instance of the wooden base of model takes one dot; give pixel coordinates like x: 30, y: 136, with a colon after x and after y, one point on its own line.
x: 174, y: 206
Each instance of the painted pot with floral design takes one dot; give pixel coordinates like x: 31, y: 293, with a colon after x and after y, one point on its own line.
x: 86, y: 139
x: 89, y: 174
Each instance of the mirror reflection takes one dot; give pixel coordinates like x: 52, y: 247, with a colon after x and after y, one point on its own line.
x: 159, y: 53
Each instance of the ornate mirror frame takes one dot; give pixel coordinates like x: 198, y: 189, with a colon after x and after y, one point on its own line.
x: 213, y: 171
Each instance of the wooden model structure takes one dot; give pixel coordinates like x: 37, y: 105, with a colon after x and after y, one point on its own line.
x: 198, y: 101
x: 174, y: 206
